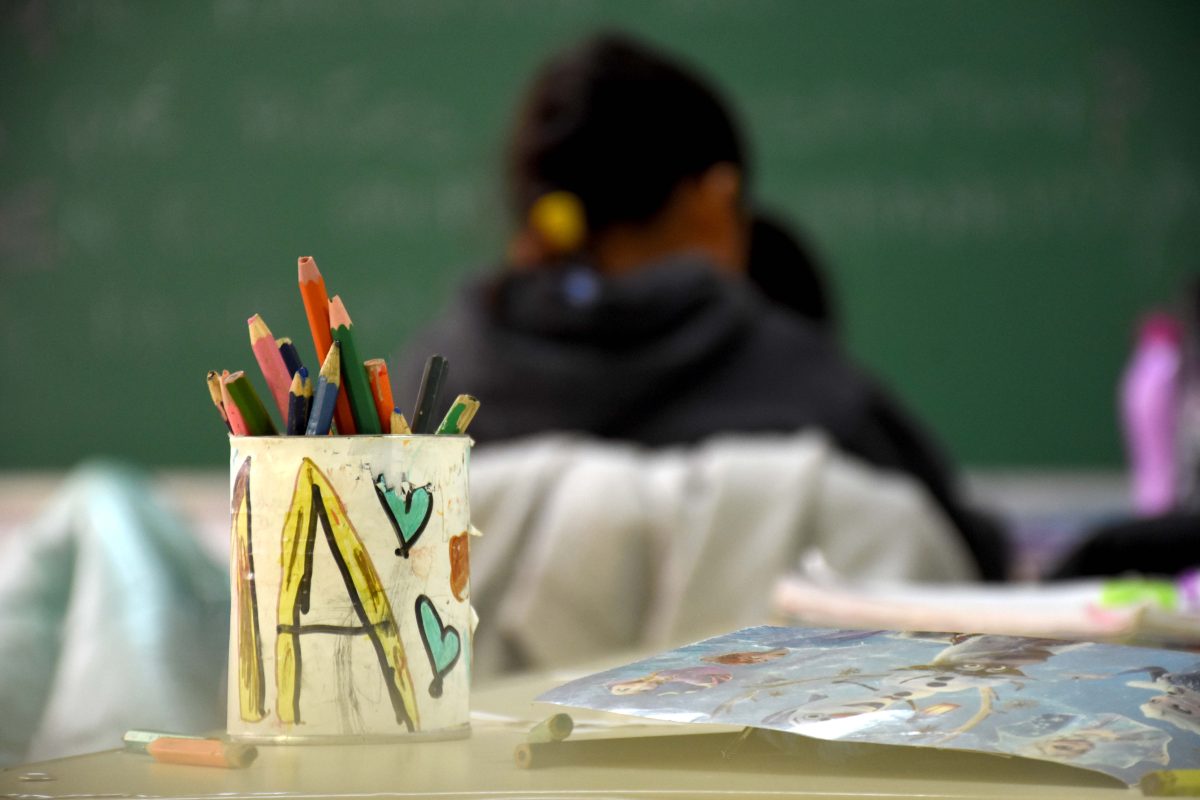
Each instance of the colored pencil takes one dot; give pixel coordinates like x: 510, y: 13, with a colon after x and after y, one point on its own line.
x: 551, y: 729
x: 202, y: 752
x: 136, y: 741
x: 399, y: 424
x: 427, y: 394
x: 266, y: 352
x: 254, y: 413
x: 316, y: 308
x: 236, y: 423
x: 297, y: 417
x: 316, y: 304
x: 291, y: 356
x: 308, y: 395
x: 461, y: 412
x: 1171, y: 783
x: 325, y: 395
x: 381, y: 391
x: 214, y: 391
x: 354, y: 375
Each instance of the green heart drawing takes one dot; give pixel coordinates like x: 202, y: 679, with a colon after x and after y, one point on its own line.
x: 408, y: 511
x: 442, y: 643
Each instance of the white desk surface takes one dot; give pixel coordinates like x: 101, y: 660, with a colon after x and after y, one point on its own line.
x: 483, y: 767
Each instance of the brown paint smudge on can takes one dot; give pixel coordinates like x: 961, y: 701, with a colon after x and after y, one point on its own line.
x: 460, y: 565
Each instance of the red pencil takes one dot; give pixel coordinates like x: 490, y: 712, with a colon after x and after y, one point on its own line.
x: 236, y: 423
x: 270, y: 361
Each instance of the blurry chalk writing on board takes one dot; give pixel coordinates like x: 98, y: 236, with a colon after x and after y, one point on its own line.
x: 998, y: 190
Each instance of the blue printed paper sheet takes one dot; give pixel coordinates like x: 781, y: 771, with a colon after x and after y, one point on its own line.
x: 1123, y: 711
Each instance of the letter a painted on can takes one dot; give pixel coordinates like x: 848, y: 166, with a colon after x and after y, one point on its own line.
x: 251, y: 684
x: 314, y: 502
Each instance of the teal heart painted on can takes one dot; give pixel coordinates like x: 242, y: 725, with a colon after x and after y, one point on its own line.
x: 408, y: 510
x: 443, y: 644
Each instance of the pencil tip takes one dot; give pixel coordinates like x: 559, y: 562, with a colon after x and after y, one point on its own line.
x: 258, y: 328
x: 338, y: 316
x: 307, y: 267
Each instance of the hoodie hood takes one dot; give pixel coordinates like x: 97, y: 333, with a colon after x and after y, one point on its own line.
x: 664, y: 355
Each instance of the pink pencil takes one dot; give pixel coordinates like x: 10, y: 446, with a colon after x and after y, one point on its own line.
x: 279, y: 380
x: 236, y: 423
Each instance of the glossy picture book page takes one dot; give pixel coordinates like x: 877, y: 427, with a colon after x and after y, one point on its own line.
x: 1123, y: 711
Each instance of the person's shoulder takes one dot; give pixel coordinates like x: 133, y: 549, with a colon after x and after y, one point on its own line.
x: 780, y: 328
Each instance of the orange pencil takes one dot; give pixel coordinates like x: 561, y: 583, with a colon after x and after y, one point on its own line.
x: 381, y: 391
x: 316, y: 308
x: 316, y: 304
x: 201, y: 752
x: 236, y: 423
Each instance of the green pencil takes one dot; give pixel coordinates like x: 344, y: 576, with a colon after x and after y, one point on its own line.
x: 254, y: 413
x: 460, y: 415
x: 354, y: 375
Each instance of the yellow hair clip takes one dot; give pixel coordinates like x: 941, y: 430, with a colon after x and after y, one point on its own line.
x: 559, y: 220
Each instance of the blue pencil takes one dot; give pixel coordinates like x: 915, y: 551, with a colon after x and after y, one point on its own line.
x: 297, y: 421
x: 320, y: 418
x: 308, y: 396
x: 291, y: 356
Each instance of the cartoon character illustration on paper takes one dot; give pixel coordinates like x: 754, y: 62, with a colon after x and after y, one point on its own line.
x: 818, y: 711
x: 747, y: 656
x: 978, y: 660
x: 1108, y: 739
x: 672, y: 681
x: 998, y: 655
x: 1179, y: 701
x: 975, y: 663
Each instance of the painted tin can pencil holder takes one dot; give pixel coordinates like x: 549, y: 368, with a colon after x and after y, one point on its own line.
x: 349, y: 572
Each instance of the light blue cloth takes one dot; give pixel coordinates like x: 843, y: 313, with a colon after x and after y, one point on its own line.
x: 111, y: 618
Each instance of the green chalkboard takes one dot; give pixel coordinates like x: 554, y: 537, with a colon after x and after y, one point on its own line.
x: 998, y: 189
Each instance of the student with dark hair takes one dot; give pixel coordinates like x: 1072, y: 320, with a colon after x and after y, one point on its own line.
x: 784, y: 268
x: 624, y: 311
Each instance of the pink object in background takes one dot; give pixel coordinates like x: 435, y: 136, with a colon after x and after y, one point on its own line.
x: 1150, y: 413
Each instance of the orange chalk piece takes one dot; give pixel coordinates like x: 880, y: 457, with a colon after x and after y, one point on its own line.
x: 202, y: 752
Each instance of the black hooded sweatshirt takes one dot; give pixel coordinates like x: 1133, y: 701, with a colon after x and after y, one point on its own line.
x: 669, y: 355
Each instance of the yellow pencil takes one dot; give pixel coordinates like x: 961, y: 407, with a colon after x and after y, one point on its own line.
x: 399, y: 424
x: 214, y: 391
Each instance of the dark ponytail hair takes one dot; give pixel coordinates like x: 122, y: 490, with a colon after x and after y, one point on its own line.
x: 620, y: 126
